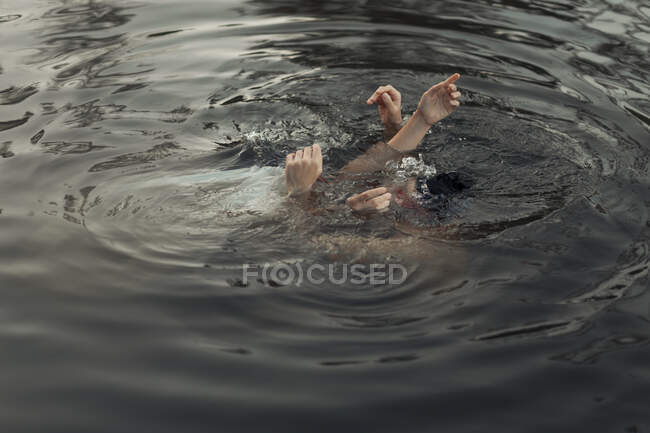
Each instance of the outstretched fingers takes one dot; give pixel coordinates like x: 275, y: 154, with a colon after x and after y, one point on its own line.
x: 452, y: 79
x: 447, y: 84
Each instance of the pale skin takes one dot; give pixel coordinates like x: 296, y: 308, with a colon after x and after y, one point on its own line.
x: 389, y: 105
x: 376, y: 200
x: 306, y: 165
x: 302, y: 169
x: 435, y: 104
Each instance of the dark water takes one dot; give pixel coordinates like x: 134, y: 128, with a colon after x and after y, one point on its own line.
x: 136, y: 140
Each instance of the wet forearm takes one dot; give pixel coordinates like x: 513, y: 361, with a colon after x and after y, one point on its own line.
x: 411, y: 134
x: 374, y: 159
x: 390, y: 130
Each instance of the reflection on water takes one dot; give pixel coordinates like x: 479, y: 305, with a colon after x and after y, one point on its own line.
x: 90, y: 60
x: 142, y: 149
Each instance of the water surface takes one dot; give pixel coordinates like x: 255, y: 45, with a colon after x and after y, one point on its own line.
x: 142, y: 145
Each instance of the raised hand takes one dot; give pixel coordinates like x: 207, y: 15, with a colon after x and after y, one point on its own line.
x: 303, y: 168
x: 389, y: 104
x: 439, y: 101
x: 377, y: 199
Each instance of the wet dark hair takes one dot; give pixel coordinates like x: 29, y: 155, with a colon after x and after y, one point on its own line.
x: 435, y: 191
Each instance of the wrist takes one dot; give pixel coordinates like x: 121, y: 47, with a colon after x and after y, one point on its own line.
x: 390, y: 129
x: 420, y: 120
x: 394, y: 123
x: 299, y: 192
x: 411, y: 134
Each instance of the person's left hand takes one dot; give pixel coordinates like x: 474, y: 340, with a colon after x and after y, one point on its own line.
x: 389, y: 104
x: 303, y: 168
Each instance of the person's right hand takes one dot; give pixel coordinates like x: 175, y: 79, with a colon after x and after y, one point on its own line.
x: 377, y: 199
x: 439, y: 101
x: 389, y: 104
x: 303, y: 168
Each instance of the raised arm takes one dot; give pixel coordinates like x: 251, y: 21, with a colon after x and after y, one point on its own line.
x: 389, y: 105
x: 435, y: 104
